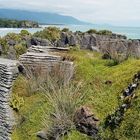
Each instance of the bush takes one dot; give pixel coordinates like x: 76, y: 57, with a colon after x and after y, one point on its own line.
x: 16, y: 102
x: 20, y: 49
x: 104, y: 32
x: 50, y: 33
x: 24, y: 33
x: 65, y: 30
x: 92, y: 31
x: 13, y: 36
x: 4, y: 45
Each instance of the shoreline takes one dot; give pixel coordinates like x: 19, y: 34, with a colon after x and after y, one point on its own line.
x: 131, y: 33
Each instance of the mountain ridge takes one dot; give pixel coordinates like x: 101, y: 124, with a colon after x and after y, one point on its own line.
x: 40, y: 17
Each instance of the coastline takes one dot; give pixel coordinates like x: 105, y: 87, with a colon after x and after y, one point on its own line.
x: 130, y: 32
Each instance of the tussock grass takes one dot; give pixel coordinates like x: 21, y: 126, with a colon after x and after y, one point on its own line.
x: 63, y: 101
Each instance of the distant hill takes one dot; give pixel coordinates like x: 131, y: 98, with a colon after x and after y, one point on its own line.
x: 40, y: 17
x: 8, y: 23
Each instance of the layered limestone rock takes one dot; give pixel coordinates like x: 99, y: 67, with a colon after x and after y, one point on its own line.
x: 47, y: 49
x: 100, y: 42
x: 46, y: 59
x: 8, y: 73
x: 86, y: 40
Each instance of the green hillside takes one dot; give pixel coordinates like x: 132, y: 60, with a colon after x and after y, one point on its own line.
x: 92, y: 71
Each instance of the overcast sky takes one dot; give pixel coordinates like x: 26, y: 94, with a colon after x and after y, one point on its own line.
x: 115, y: 12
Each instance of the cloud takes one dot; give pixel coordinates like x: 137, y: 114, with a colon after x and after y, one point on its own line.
x: 117, y: 12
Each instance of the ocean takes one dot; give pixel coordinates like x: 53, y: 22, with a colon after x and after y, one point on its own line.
x: 130, y: 32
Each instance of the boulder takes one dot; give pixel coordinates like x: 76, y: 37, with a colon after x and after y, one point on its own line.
x: 85, y: 121
x: 42, y: 135
x: 38, y: 41
x: 11, y: 42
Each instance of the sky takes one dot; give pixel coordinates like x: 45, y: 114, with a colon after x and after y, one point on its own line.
x: 113, y: 12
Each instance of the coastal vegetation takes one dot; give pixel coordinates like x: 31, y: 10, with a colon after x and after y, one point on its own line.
x: 50, y: 33
x: 101, y: 97
x: 101, y: 32
x: 10, y: 23
x: 42, y: 102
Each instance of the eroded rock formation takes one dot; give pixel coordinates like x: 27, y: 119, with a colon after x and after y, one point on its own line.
x: 86, y: 122
x: 8, y: 73
x: 94, y: 42
x: 48, y: 61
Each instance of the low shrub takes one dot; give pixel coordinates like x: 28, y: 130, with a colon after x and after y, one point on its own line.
x: 65, y: 30
x: 13, y: 36
x: 20, y: 49
x: 16, y: 102
x: 24, y: 33
x: 92, y: 31
x: 4, y: 45
x: 50, y: 33
x: 104, y: 32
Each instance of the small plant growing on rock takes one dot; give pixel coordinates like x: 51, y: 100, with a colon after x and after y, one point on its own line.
x: 50, y: 33
x: 92, y: 31
x: 20, y: 49
x: 4, y: 45
x: 65, y: 30
x: 104, y: 32
x: 16, y: 102
x: 24, y: 33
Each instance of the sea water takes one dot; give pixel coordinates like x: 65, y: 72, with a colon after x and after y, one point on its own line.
x: 130, y: 32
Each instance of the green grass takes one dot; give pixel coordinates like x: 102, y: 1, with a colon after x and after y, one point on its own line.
x: 103, y: 99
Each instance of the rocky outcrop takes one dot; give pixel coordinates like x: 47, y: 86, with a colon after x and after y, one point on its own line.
x: 8, y: 73
x: 85, y: 40
x: 46, y: 49
x: 39, y: 42
x: 102, y: 43
x: 48, y: 61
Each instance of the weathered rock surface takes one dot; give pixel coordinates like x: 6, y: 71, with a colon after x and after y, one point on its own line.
x: 8, y: 73
x: 39, y: 41
x: 85, y: 122
x: 47, y: 49
x: 48, y: 61
x: 86, y: 40
x: 100, y: 42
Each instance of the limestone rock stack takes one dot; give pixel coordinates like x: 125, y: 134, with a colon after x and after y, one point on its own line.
x: 48, y: 60
x: 8, y: 73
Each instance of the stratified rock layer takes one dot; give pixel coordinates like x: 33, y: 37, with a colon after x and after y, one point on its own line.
x: 46, y: 59
x: 8, y: 73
